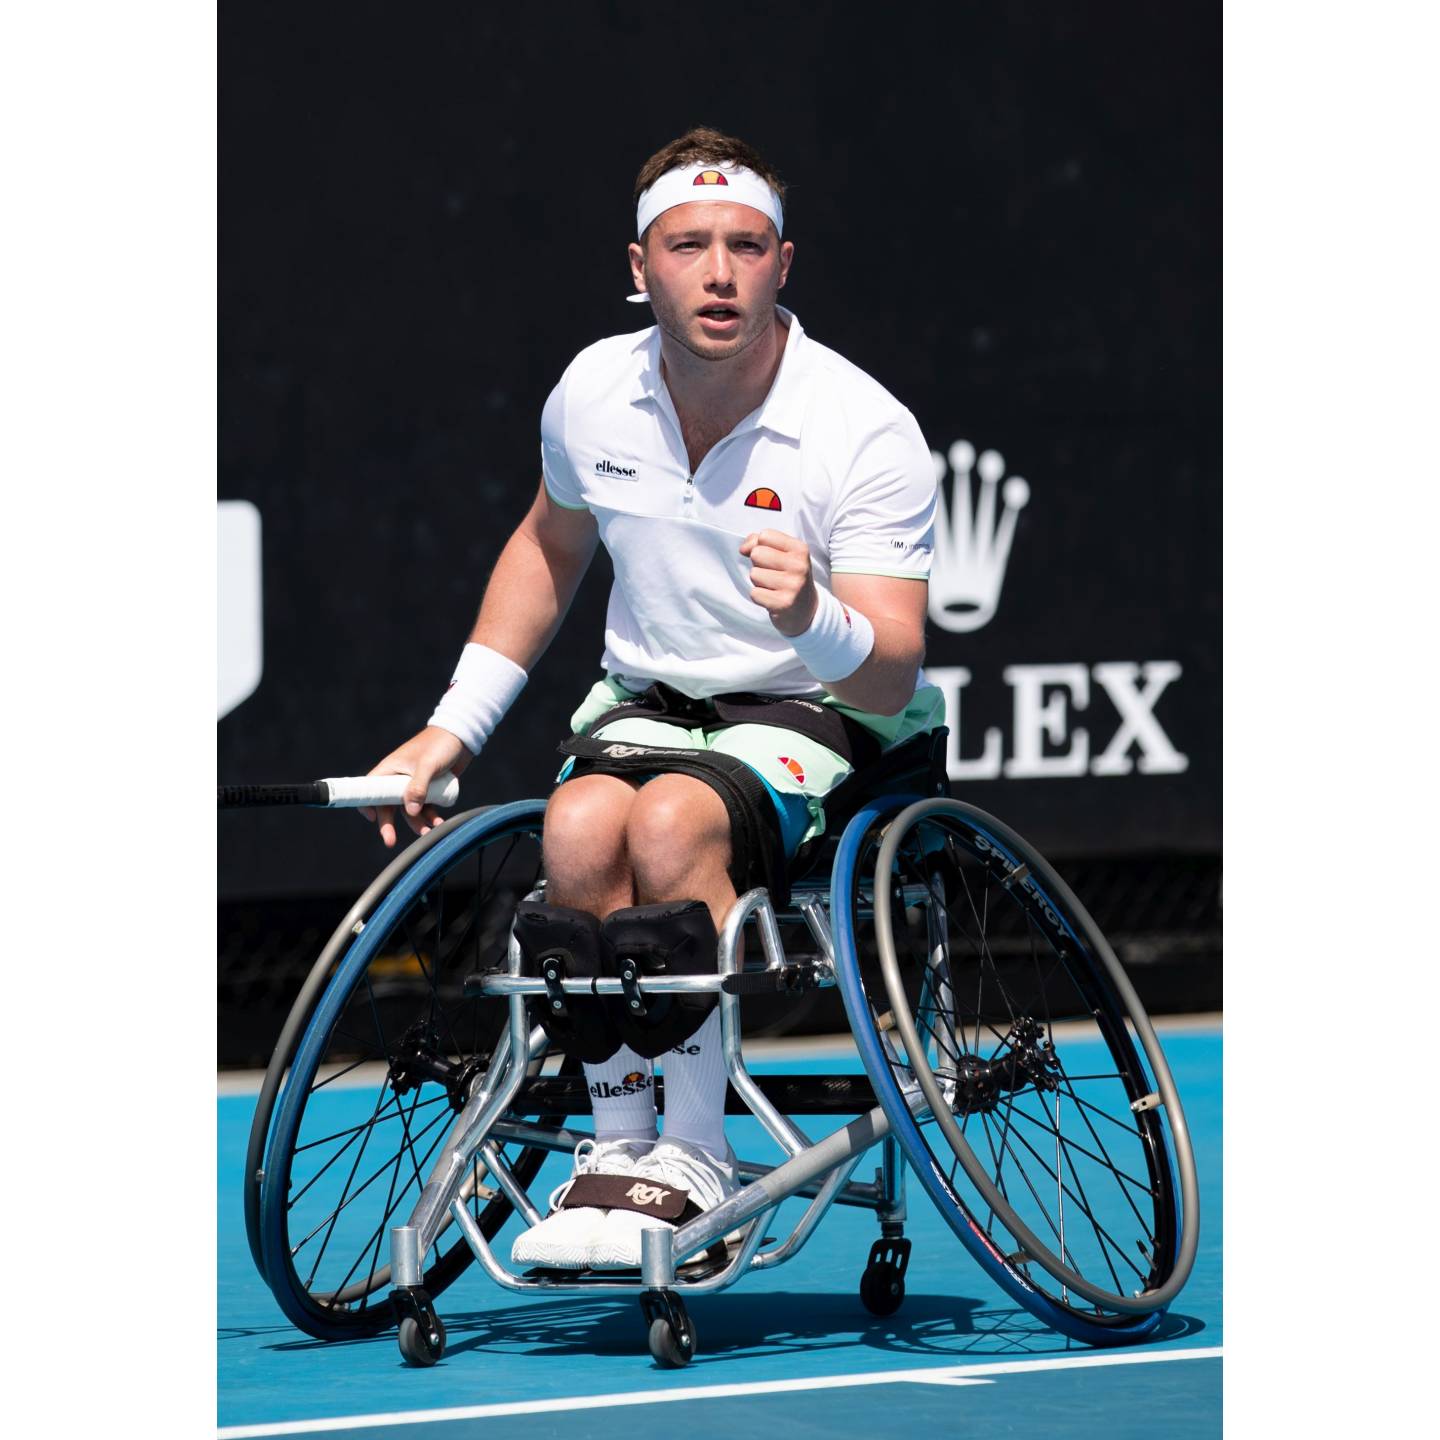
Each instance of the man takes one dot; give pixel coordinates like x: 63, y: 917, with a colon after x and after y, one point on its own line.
x: 768, y: 511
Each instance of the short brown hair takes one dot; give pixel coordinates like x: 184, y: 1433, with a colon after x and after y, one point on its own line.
x: 700, y: 146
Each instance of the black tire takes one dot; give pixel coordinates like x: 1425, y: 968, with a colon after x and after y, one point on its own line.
x: 882, y: 1291
x: 345, y: 1165
x: 670, y: 1350
x: 1030, y: 1050
x: 417, y: 1347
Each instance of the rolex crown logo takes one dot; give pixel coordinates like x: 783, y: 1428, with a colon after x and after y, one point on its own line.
x: 972, y: 546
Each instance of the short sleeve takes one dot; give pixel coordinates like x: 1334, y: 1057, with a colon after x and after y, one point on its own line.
x: 884, y: 521
x: 561, y: 482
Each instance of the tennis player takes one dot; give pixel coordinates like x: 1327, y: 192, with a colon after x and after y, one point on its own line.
x: 768, y: 511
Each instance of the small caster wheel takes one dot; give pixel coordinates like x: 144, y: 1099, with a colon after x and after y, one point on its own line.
x: 672, y: 1349
x: 419, y: 1346
x: 882, y: 1289
x: 671, y: 1330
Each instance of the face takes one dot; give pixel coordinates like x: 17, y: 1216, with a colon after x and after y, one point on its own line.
x: 712, y: 270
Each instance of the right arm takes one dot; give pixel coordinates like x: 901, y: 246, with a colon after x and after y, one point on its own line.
x: 535, y: 580
x: 529, y: 591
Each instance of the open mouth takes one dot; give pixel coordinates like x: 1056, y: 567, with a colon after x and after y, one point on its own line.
x: 720, y: 314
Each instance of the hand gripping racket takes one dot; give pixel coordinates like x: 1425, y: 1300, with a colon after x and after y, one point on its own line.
x: 347, y: 792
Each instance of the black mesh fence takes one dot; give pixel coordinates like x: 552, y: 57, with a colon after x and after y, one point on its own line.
x: 1162, y: 915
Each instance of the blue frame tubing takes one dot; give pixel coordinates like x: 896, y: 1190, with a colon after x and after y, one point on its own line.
x: 844, y: 882
x: 466, y: 834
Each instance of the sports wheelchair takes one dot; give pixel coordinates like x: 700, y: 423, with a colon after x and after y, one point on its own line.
x: 412, y: 1099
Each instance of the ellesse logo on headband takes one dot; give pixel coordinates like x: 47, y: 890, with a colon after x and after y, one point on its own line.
x: 709, y: 177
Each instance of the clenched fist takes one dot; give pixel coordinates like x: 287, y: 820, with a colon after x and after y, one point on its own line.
x: 780, y: 579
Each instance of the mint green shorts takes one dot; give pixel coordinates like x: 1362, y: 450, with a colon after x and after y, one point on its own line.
x: 797, y: 771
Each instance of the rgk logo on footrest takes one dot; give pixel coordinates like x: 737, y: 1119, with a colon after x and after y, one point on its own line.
x: 643, y: 1194
x: 621, y: 1192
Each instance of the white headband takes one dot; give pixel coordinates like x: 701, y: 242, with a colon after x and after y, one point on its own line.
x: 737, y: 186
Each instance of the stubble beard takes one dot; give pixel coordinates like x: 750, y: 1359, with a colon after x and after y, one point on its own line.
x: 668, y: 317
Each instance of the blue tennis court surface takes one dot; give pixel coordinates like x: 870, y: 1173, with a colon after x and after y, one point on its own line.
x: 790, y: 1348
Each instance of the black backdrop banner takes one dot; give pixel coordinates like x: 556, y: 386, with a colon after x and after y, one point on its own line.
x: 1008, y: 215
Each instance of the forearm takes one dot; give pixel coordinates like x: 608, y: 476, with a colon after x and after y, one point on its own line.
x: 885, y: 681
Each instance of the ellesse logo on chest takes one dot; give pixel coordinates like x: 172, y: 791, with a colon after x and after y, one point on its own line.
x: 614, y: 469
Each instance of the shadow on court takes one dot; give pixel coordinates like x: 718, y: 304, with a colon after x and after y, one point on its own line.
x: 745, y: 1327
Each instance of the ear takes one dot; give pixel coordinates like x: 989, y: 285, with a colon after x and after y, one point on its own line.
x: 787, y: 254
x: 637, y: 266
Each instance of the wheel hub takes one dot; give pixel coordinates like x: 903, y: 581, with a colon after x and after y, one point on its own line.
x: 1026, y: 1058
x: 419, y: 1058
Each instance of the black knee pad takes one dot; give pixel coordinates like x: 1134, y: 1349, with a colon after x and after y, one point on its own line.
x: 562, y: 944
x: 674, y: 938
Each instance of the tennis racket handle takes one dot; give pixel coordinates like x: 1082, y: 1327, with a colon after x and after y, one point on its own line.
x: 354, y: 790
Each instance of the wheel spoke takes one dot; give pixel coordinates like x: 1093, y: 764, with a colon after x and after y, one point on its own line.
x: 1104, y: 1160
x: 391, y: 1207
x: 378, y: 1118
x: 349, y: 1197
x: 340, y: 1074
x: 1099, y: 1229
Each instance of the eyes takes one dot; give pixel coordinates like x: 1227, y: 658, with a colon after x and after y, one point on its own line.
x: 744, y: 247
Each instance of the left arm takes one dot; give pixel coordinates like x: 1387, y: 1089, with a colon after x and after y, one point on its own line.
x: 781, y: 582
x: 885, y: 682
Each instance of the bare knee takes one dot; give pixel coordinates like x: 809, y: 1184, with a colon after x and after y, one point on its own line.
x: 678, y: 838
x: 585, y: 843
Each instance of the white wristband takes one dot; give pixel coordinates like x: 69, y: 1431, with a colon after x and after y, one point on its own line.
x: 838, y: 641
x: 485, y: 686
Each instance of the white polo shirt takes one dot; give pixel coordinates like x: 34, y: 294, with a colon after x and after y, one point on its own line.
x: 829, y: 456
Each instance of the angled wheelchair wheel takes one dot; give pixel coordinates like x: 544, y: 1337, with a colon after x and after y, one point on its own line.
x: 386, y: 1054
x: 321, y: 973
x: 1018, y: 1069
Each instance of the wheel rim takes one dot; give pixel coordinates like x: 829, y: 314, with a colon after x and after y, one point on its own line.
x: 389, y: 1057
x: 1076, y: 1187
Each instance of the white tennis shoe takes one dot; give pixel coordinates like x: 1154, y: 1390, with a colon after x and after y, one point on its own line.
x: 563, y: 1240
x: 708, y: 1178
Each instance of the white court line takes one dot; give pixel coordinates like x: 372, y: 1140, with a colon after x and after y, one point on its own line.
x: 932, y: 1375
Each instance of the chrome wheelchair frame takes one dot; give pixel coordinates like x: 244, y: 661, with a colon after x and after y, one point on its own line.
x: 928, y: 1079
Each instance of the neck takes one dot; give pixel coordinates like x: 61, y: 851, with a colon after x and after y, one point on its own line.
x: 726, y: 390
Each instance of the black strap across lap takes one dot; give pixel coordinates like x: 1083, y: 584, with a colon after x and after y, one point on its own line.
x: 625, y: 1192
x: 824, y: 724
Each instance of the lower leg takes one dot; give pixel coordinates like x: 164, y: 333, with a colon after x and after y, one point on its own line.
x: 679, y: 843
x: 587, y: 868
x: 695, y: 1085
x: 622, y: 1096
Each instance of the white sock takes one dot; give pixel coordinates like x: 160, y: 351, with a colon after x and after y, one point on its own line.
x: 695, y: 1081
x: 622, y: 1096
